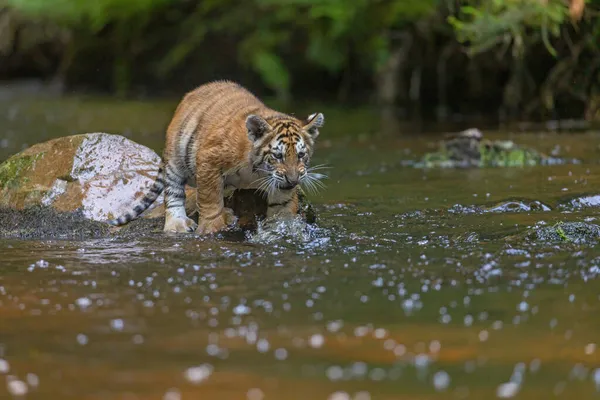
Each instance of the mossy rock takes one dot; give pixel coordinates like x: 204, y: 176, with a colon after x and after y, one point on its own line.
x: 468, y: 149
x: 562, y: 232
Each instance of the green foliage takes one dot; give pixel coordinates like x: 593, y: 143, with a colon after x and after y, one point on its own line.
x: 94, y: 13
x: 511, y: 22
x: 333, y: 30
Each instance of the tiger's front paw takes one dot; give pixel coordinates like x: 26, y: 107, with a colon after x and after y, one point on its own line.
x: 179, y: 225
x: 217, y: 224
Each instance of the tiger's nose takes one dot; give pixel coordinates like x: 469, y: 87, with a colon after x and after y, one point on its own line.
x: 293, y: 181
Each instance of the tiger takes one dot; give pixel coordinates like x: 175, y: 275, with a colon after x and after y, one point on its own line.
x: 222, y: 136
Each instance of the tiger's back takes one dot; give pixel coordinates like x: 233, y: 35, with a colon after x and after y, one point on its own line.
x: 212, y: 116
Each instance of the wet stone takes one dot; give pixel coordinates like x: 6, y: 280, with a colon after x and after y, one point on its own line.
x: 579, y: 202
x: 566, y: 232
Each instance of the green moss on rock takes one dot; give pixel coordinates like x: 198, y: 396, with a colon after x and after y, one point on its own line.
x: 565, y: 232
x: 13, y: 171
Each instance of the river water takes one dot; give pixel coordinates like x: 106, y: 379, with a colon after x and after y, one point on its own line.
x: 402, y: 290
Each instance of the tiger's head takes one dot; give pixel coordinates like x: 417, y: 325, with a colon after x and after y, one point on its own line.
x: 282, y: 148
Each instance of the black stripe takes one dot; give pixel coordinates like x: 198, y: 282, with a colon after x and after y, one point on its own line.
x: 170, y: 175
x: 188, y: 149
x: 175, y: 190
x: 147, y: 201
x: 171, y: 170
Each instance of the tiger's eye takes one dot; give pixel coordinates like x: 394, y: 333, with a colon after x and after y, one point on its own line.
x: 279, y: 156
x: 301, y: 154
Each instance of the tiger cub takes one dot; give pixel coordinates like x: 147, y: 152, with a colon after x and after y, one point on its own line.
x: 223, y: 136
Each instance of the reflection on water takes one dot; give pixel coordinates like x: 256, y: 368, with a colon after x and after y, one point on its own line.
x: 405, y: 288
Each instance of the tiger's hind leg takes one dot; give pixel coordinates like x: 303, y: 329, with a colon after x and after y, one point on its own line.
x: 176, y: 219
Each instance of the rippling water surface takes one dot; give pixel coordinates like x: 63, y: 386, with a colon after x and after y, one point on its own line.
x: 412, y: 285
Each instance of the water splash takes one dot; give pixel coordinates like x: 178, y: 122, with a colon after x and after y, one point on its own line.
x: 292, y: 231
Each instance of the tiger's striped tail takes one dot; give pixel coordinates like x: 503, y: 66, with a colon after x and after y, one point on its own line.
x: 155, y: 191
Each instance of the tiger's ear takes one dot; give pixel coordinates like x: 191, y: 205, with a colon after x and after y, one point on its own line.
x: 256, y: 126
x: 313, y: 123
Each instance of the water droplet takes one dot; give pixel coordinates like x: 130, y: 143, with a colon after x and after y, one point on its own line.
x: 334, y: 326
x: 82, y: 339
x: 137, y: 339
x: 32, y: 380
x: 316, y: 341
x: 281, y: 354
x: 596, y: 378
x: 241, y: 309
x: 16, y: 387
x: 523, y: 306
x: 362, y: 396
x: 590, y: 348
x: 421, y: 361
x: 535, y: 364
x: 339, y: 396
x: 255, y: 394
x: 199, y: 373
x: 507, y: 390
x: 172, y: 394
x: 262, y: 346
x: 441, y: 380
x: 4, y: 366
x: 380, y: 333
x: 334, y: 373
x: 117, y: 324
x: 83, y: 302
x: 483, y: 335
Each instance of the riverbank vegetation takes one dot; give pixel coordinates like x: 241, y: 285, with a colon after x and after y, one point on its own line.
x: 534, y: 59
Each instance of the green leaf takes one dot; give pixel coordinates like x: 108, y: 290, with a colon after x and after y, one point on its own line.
x: 272, y: 71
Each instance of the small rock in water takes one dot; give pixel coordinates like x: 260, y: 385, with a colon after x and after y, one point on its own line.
x: 507, y: 390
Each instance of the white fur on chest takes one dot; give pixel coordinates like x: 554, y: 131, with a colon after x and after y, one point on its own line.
x: 243, y: 178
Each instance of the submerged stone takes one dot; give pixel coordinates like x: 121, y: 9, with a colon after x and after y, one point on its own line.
x: 74, y: 184
x: 468, y: 149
